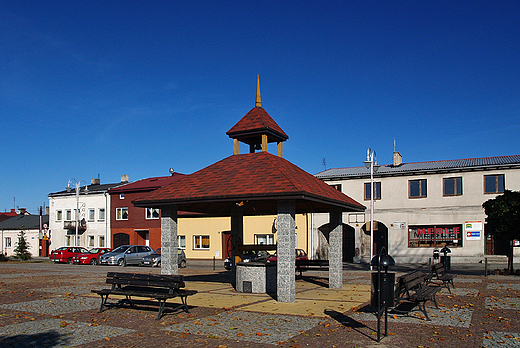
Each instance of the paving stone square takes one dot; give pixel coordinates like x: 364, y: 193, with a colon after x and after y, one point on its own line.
x: 55, y: 306
x: 456, y: 317
x: 56, y: 333
x: 248, y: 326
x: 503, y: 286
x: 502, y: 303
x: 501, y: 339
x: 459, y: 292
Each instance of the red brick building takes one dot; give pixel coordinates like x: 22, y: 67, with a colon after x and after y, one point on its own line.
x: 136, y: 225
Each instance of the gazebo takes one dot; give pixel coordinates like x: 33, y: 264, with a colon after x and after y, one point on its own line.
x: 256, y: 183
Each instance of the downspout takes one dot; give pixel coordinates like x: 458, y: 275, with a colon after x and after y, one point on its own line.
x: 311, y: 239
x: 107, y: 244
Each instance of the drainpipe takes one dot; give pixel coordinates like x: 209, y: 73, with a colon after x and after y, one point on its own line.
x: 107, y: 244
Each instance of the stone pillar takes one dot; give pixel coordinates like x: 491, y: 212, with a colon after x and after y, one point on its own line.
x: 237, y: 238
x: 286, y: 276
x: 336, y: 250
x: 169, y: 243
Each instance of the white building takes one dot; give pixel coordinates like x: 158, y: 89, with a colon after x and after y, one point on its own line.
x: 94, y: 219
x: 32, y: 225
x: 420, y: 207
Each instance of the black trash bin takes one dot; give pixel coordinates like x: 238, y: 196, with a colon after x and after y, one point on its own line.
x: 446, y: 260
x: 387, y: 298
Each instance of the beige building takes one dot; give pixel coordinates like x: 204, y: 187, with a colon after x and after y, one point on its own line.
x: 420, y: 207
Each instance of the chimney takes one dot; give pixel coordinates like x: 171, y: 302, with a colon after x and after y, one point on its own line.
x: 124, y: 178
x: 95, y: 181
x: 398, y: 159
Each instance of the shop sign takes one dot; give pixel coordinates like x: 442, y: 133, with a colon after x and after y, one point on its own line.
x: 473, y: 230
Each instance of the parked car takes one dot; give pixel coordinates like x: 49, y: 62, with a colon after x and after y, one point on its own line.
x: 91, y: 257
x: 248, y: 256
x: 65, y: 254
x: 154, y: 259
x: 299, y: 253
x: 125, y: 255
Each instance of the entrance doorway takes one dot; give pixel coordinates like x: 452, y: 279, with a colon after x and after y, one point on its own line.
x: 120, y: 239
x: 380, y: 235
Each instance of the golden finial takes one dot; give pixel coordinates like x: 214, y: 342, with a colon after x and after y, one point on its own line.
x: 258, y: 102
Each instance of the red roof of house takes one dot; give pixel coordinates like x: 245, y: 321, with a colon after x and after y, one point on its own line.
x: 258, y: 180
x: 148, y: 184
x: 256, y: 122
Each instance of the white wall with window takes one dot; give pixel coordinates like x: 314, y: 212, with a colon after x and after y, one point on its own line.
x: 424, y: 209
x: 93, y: 208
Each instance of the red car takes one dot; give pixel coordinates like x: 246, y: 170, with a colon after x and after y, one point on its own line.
x: 91, y: 257
x: 299, y: 253
x: 65, y: 254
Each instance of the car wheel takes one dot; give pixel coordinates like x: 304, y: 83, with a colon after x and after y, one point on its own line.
x: 183, y: 264
x: 69, y: 260
x: 121, y: 262
x: 93, y: 261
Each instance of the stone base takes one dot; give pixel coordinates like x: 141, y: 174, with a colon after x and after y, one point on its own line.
x: 256, y: 277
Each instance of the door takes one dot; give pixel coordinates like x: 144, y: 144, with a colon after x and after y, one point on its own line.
x: 120, y: 239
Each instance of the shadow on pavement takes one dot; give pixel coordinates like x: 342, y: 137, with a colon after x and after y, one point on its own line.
x: 351, y: 323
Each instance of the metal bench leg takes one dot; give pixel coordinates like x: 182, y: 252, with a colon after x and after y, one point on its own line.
x: 103, y: 302
x: 423, y: 309
x: 184, y: 300
x: 161, y: 309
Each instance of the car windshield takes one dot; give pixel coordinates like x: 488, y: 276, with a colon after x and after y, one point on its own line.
x: 93, y: 251
x: 157, y: 251
x: 121, y: 249
x: 62, y: 248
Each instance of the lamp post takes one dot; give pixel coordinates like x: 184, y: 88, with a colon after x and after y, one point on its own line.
x: 77, y: 185
x: 371, y: 163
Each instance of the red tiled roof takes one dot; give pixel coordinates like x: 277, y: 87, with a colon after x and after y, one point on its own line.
x: 147, y: 184
x: 257, y: 121
x: 258, y: 179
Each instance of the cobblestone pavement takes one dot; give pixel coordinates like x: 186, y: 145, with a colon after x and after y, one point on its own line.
x: 48, y: 305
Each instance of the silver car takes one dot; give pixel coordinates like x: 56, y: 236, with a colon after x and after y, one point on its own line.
x: 125, y: 255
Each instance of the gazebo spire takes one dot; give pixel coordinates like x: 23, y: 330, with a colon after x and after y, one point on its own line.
x: 258, y: 101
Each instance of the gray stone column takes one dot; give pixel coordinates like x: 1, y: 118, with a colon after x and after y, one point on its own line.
x: 286, y: 274
x: 336, y: 250
x: 169, y: 243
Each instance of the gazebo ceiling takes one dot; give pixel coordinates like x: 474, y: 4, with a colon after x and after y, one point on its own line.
x: 254, y: 181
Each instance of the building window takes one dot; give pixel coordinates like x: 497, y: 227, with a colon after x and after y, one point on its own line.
x: 7, y: 242
x: 417, y: 188
x: 377, y: 190
x: 67, y: 241
x: 337, y: 187
x: 181, y: 242
x: 494, y: 183
x: 121, y: 213
x: 152, y: 213
x: 101, y: 241
x: 200, y: 242
x: 263, y: 239
x: 452, y: 186
x: 68, y: 215
x: 59, y: 215
x: 434, y: 236
x: 122, y: 196
x: 91, y: 241
x: 101, y: 214
x: 91, y: 214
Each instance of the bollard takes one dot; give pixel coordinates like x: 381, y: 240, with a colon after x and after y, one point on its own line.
x: 213, y: 262
x: 485, y: 266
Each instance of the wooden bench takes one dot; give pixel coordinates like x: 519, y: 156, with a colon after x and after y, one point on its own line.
x: 159, y: 287
x: 311, y: 265
x: 438, y: 273
x: 413, y: 290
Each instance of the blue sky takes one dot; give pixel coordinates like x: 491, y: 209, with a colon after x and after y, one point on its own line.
x: 104, y: 88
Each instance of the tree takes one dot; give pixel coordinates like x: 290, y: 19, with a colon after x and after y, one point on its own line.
x: 22, y: 249
x: 503, y: 219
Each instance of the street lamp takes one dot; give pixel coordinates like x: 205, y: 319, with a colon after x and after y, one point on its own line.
x: 77, y: 185
x: 371, y: 163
